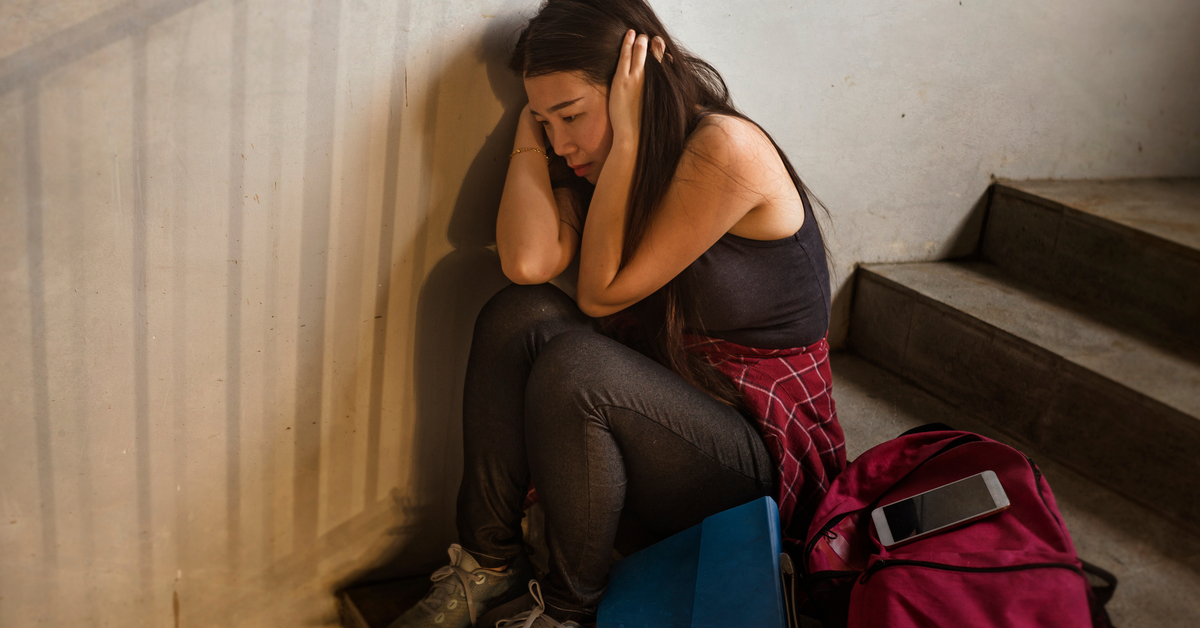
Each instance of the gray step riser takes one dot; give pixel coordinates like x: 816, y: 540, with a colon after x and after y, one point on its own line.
x: 1137, y: 278
x: 1132, y: 444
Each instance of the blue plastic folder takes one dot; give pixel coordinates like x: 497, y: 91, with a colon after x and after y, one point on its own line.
x: 723, y: 573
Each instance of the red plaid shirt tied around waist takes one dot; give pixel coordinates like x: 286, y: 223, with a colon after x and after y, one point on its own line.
x: 788, y: 394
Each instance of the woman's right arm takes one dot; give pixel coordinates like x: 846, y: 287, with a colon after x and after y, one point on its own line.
x: 535, y: 231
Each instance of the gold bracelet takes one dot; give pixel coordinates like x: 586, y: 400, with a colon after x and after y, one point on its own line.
x: 536, y: 150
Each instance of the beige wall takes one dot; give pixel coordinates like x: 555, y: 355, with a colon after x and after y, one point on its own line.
x: 242, y: 243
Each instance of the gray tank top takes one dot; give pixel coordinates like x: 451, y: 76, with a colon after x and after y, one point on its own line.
x: 768, y: 294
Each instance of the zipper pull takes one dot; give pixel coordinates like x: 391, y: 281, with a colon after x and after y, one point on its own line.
x: 1037, y: 473
x: 875, y: 566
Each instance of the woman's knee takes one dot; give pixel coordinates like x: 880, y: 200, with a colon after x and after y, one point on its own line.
x: 519, y: 306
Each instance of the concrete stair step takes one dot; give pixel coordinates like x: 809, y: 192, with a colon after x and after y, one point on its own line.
x: 1156, y: 560
x: 1130, y: 245
x: 1041, y: 368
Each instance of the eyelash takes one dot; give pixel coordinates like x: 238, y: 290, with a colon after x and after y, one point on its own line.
x: 567, y: 119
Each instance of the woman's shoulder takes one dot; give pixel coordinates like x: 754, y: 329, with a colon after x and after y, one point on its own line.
x: 733, y: 155
x: 730, y: 140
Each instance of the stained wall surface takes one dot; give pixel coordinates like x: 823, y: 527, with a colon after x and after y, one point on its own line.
x: 242, y: 244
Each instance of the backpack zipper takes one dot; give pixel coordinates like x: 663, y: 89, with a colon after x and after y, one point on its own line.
x: 823, y: 533
x: 899, y: 562
x: 1037, y: 481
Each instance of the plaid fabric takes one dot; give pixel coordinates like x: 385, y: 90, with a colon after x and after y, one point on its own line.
x: 788, y: 393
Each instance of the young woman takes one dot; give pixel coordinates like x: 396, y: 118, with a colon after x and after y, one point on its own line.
x: 688, y: 375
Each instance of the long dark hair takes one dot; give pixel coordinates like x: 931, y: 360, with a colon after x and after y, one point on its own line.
x: 584, y: 36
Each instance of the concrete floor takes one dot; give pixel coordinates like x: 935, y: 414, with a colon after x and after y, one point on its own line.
x: 1157, y: 563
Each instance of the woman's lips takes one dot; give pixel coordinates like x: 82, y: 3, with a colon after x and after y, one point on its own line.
x: 582, y: 170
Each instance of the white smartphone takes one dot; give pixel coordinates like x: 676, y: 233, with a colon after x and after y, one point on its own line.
x: 939, y: 509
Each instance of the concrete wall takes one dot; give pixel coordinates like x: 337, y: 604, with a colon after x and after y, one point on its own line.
x: 242, y: 243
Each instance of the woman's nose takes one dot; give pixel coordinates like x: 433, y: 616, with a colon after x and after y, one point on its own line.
x: 561, y: 143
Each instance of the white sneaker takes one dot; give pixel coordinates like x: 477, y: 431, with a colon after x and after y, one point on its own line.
x: 462, y: 591
x: 535, y: 618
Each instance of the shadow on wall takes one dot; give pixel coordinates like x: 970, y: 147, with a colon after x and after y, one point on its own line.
x: 450, y: 298
x: 967, y: 237
x: 963, y: 244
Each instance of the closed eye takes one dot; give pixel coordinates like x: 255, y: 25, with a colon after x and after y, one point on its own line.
x: 570, y: 118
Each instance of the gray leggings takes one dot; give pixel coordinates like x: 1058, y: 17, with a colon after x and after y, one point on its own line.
x: 606, y: 434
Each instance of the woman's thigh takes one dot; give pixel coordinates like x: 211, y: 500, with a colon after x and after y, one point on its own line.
x: 670, y: 452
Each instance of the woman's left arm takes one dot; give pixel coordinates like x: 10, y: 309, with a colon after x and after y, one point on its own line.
x: 709, y: 194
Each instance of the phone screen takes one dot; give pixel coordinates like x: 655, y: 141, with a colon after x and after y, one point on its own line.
x: 940, y: 507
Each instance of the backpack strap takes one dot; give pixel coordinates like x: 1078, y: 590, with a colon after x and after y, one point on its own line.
x: 1102, y: 586
x: 929, y: 427
x: 1107, y: 585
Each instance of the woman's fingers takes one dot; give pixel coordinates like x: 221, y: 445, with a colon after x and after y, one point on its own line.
x: 623, y: 65
x: 625, y: 92
x: 640, y: 45
x: 633, y: 53
x: 658, y: 46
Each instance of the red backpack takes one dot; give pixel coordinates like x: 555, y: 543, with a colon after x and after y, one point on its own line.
x: 1016, y: 567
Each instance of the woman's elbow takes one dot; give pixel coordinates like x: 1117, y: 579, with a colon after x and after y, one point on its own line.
x: 593, y: 308
x: 525, y: 271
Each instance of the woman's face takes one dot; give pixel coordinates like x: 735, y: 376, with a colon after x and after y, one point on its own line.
x: 574, y: 113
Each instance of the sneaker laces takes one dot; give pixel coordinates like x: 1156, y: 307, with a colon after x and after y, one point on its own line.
x: 528, y: 618
x: 446, y: 587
